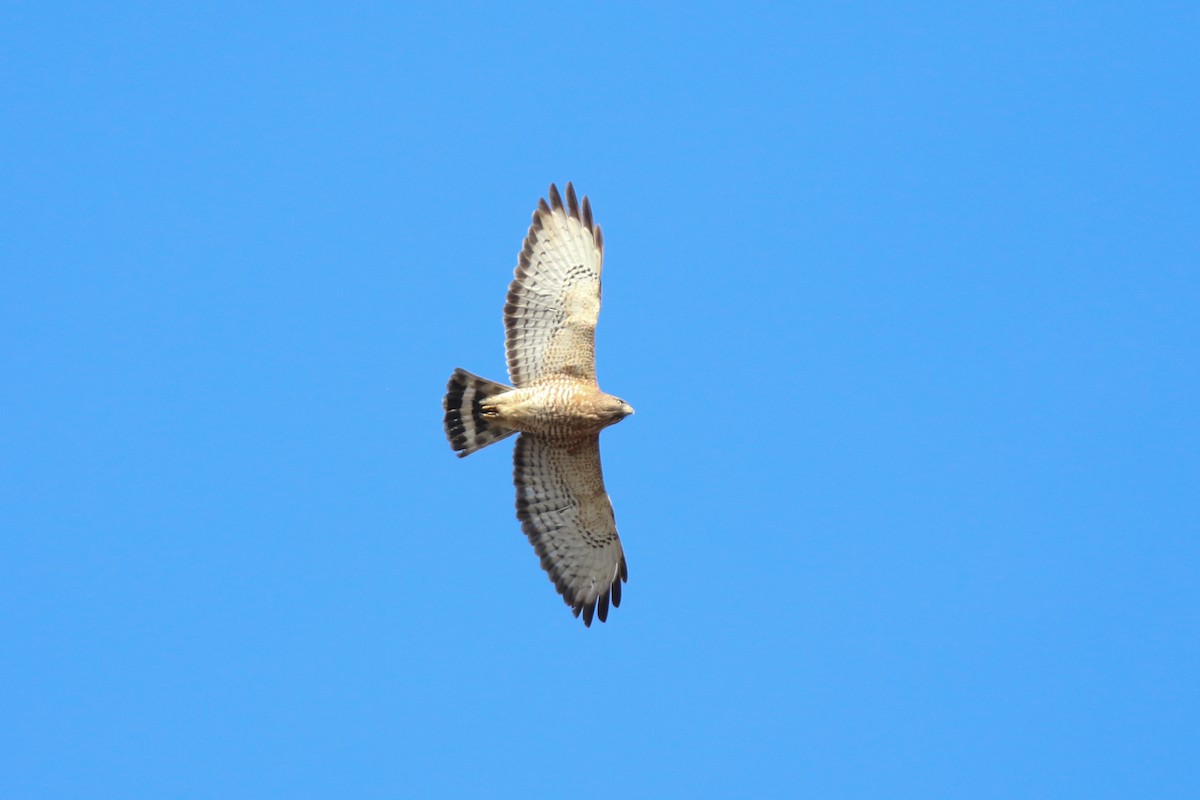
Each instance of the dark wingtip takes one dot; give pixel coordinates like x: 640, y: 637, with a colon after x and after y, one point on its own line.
x: 587, y: 215
x: 572, y: 201
x: 555, y: 198
x: 588, y: 611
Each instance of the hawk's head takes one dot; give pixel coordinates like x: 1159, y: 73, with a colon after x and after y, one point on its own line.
x: 615, y: 409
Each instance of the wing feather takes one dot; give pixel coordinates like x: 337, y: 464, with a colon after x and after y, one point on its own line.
x: 554, y: 299
x: 565, y: 511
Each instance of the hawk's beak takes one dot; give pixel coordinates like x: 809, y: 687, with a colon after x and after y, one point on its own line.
x: 627, y: 409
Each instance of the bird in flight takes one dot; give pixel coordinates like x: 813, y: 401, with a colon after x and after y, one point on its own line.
x: 556, y: 406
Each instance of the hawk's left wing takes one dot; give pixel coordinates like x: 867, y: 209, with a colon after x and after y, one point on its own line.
x: 554, y: 299
x: 566, y: 513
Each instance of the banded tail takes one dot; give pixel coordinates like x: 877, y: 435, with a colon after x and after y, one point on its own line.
x: 466, y: 427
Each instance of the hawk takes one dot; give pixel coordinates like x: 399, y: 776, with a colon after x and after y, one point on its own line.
x: 556, y: 406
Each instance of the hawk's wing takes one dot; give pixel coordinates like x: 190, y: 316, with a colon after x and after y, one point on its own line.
x: 568, y: 518
x: 554, y: 299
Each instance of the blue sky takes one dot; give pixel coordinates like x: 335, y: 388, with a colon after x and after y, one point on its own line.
x: 905, y: 296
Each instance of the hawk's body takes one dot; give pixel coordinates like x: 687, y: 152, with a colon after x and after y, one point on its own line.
x: 556, y: 405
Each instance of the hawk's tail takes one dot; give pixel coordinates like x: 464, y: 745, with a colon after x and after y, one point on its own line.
x: 466, y: 427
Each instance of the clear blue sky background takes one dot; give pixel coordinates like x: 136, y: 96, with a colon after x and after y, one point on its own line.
x: 905, y: 296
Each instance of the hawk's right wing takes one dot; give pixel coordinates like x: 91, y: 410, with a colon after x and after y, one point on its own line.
x: 554, y: 299
x: 566, y: 513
